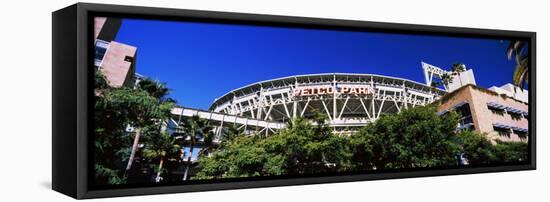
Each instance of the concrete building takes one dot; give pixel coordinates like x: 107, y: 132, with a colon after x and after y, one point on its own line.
x: 462, y: 79
x: 499, y: 115
x: 115, y: 60
x: 512, y: 91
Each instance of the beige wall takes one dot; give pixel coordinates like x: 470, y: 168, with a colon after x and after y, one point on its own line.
x: 117, y: 71
x: 482, y: 116
x: 98, y: 24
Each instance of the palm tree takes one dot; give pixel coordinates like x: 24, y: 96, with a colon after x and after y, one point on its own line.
x: 446, y: 79
x: 163, y: 104
x: 207, y: 142
x: 521, y: 73
x: 140, y: 109
x: 458, y: 68
x: 155, y: 89
x: 194, y: 127
x: 163, y: 147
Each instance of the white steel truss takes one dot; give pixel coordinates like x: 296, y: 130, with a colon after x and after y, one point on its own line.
x: 431, y: 72
x: 219, y: 120
x: 275, y: 100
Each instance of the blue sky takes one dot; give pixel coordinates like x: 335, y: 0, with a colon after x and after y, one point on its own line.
x: 202, y: 61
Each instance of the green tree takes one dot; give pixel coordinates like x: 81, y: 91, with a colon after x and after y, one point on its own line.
x: 518, y: 50
x: 300, y: 148
x: 229, y: 133
x: 415, y: 137
x: 304, y: 148
x: 161, y: 146
x: 477, y: 148
x: 110, y: 137
x: 243, y: 157
x: 115, y: 110
x: 141, y: 109
x: 507, y: 152
x: 458, y: 68
x: 195, y: 128
x: 446, y: 79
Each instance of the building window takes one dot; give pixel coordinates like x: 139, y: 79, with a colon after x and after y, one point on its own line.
x: 128, y: 58
x: 100, y: 50
x: 466, y: 121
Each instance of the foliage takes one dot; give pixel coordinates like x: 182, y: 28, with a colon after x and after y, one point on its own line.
x: 196, y: 130
x: 518, y: 50
x: 230, y: 133
x: 458, y: 67
x: 446, y: 79
x: 415, y: 137
x: 114, y: 110
x: 301, y: 148
x: 509, y: 152
x: 161, y: 145
x: 304, y: 148
x: 476, y: 147
x: 110, y: 176
x: 480, y: 151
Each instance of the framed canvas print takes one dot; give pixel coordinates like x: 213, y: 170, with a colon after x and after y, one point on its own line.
x: 155, y: 100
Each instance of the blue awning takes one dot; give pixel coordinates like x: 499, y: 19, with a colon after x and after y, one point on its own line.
x: 496, y: 105
x: 525, y: 113
x: 515, y: 111
x: 503, y: 126
x: 520, y: 129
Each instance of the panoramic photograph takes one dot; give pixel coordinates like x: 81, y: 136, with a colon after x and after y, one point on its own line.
x: 181, y: 102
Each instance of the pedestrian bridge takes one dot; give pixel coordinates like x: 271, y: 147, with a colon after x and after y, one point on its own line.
x: 219, y: 120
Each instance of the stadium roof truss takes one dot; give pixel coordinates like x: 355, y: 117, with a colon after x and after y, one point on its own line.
x: 347, y: 100
x: 431, y: 72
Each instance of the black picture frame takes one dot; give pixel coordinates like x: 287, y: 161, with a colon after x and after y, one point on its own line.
x: 73, y: 93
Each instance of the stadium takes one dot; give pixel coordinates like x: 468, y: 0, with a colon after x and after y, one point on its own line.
x: 348, y: 100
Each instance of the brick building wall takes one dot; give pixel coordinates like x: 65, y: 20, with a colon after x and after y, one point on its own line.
x: 485, y: 117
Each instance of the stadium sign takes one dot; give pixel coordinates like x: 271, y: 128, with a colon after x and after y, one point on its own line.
x: 327, y: 90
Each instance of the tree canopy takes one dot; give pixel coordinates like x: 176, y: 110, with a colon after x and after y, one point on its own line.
x: 416, y: 137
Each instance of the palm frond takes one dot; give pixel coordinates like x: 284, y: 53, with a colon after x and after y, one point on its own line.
x: 521, y: 72
x: 514, y: 47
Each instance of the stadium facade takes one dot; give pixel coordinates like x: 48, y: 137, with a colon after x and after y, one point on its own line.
x: 348, y: 100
